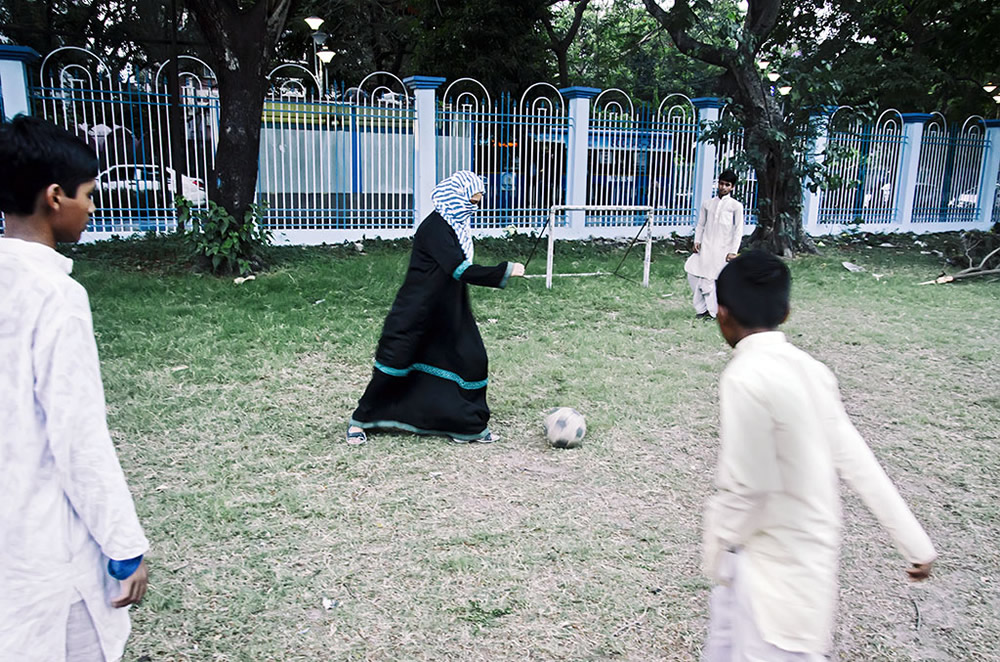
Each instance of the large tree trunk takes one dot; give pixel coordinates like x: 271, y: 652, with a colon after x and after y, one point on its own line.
x: 779, y: 188
x: 242, y: 45
x: 563, y: 68
x: 560, y: 45
x: 767, y: 142
x: 241, y: 100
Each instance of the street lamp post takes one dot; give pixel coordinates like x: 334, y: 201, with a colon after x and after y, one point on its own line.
x: 324, y: 56
x: 320, y: 57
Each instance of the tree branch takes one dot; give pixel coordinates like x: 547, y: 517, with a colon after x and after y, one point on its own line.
x: 762, y: 15
x: 675, y: 21
x: 971, y: 272
x: 985, y: 260
x: 567, y: 39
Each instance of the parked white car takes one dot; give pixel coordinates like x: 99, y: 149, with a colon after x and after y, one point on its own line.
x: 966, y: 200
x: 150, y: 178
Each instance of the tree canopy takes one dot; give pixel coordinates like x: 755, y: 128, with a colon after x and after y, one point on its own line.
x: 915, y: 55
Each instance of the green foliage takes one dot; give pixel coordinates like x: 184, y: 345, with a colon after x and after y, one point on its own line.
x: 622, y: 46
x: 500, y: 44
x: 921, y: 56
x: 218, y: 241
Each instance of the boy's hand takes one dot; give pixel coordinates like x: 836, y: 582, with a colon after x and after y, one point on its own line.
x: 730, y: 256
x: 697, y: 247
x: 133, y: 588
x: 518, y: 269
x: 919, y: 571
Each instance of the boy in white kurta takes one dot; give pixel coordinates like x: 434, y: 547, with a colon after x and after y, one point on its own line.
x: 71, y: 545
x: 772, y: 531
x: 717, y: 240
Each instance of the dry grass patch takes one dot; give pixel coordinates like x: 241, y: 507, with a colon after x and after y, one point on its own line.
x: 274, y: 540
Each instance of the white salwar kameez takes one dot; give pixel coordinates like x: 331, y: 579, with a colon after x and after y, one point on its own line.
x: 64, y: 506
x: 785, y: 442
x: 719, y: 233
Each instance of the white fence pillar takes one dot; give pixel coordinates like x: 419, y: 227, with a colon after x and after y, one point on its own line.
x: 14, y: 86
x: 991, y: 173
x: 576, y: 154
x: 820, y: 123
x: 424, y: 143
x: 909, y: 162
x: 704, y: 160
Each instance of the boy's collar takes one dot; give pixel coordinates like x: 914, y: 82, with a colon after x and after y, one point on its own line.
x: 760, y: 339
x: 36, y: 251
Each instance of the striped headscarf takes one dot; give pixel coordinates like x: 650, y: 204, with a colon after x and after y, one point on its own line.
x: 452, y: 199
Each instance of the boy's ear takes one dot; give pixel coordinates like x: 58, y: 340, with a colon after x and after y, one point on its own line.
x: 49, y: 199
x: 788, y: 311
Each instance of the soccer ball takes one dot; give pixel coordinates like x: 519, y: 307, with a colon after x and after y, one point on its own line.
x: 565, y: 427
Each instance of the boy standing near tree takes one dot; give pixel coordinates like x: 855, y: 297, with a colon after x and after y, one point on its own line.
x: 717, y: 240
x: 772, y: 530
x: 71, y: 545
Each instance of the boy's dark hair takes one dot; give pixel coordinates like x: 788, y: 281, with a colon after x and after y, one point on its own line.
x: 729, y: 176
x: 34, y: 154
x: 755, y: 288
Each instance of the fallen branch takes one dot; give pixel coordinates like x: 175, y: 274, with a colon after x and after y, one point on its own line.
x: 971, y: 272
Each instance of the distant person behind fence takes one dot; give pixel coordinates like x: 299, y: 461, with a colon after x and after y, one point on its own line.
x: 717, y: 240
x: 430, y: 371
x: 71, y: 546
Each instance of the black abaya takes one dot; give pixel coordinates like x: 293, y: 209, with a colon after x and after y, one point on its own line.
x: 430, y: 372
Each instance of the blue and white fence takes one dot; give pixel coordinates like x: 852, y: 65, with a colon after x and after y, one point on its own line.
x: 640, y: 157
x: 517, y: 146
x: 344, y: 163
x: 341, y: 164
x: 950, y: 169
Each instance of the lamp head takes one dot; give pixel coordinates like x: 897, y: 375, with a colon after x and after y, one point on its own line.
x: 784, y: 90
x: 325, y: 55
x: 314, y: 22
x: 773, y: 76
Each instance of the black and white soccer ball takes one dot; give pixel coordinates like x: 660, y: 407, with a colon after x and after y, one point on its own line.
x: 565, y: 427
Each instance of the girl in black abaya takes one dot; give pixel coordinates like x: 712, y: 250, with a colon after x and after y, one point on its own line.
x: 430, y: 372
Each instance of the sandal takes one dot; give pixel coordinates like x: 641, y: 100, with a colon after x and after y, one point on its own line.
x: 356, y: 438
x: 488, y: 439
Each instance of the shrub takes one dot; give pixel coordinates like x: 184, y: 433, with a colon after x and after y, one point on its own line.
x: 221, y: 244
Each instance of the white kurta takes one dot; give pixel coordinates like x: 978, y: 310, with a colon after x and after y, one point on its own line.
x: 64, y: 506
x: 719, y: 231
x: 785, y: 440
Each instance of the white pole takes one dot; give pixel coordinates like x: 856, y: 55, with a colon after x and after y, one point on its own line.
x: 649, y: 249
x: 552, y: 241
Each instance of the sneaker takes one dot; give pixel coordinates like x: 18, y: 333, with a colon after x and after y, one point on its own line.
x: 704, y: 315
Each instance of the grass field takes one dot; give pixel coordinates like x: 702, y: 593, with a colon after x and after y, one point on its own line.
x: 274, y: 540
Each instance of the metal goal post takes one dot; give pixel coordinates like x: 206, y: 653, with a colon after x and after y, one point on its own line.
x: 550, y: 227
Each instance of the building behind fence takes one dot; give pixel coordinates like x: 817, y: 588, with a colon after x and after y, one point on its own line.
x: 361, y: 161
